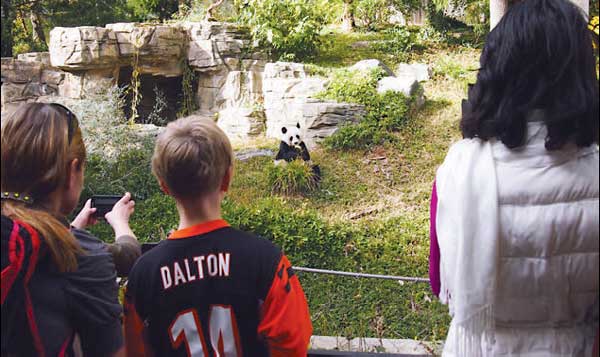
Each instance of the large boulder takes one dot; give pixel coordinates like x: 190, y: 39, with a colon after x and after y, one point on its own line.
x: 286, y: 87
x: 242, y: 123
x: 289, y: 92
x: 212, y: 43
x: 405, y: 84
x: 81, y: 48
x: 160, y: 49
x: 26, y: 79
x: 419, y: 70
x: 370, y: 64
x: 322, y: 119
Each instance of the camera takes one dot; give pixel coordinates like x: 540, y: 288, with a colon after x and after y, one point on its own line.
x: 104, y: 204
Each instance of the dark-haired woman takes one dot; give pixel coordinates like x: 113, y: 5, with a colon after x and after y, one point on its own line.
x: 515, y: 211
x: 58, y: 281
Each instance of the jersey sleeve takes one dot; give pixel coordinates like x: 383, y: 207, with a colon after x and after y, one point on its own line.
x: 134, y: 313
x: 92, y: 299
x: 135, y: 342
x: 285, y: 320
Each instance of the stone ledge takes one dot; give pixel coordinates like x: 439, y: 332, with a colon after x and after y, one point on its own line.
x: 405, y: 347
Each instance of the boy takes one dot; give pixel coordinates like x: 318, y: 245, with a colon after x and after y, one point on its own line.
x: 209, y: 289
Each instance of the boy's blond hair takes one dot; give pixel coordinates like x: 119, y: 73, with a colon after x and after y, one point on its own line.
x: 191, y: 157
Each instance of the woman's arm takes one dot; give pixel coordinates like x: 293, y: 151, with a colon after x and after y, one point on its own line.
x: 126, y: 248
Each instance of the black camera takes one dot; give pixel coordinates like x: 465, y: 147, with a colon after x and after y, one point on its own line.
x: 104, y: 204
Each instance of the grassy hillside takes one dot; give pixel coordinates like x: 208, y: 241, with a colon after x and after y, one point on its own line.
x: 370, y: 214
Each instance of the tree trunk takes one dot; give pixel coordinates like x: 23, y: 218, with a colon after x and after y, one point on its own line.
x: 36, y: 25
x: 499, y: 7
x: 8, y: 16
x: 348, y: 22
x: 497, y: 10
x: 209, y: 12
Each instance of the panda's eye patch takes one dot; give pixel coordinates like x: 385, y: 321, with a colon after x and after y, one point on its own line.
x: 298, y: 136
x: 291, y: 138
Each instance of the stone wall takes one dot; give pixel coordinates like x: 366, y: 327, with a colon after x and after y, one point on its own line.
x: 237, y: 87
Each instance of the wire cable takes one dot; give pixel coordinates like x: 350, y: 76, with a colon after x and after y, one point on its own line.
x: 362, y: 275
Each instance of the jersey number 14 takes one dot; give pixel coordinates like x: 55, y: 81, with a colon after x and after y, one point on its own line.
x: 223, y: 332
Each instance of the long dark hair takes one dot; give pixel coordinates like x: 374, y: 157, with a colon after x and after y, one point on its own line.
x: 539, y: 56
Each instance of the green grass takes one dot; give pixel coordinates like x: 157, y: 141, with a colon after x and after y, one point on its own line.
x: 370, y: 212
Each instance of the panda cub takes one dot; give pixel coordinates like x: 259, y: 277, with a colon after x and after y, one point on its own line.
x: 293, y: 147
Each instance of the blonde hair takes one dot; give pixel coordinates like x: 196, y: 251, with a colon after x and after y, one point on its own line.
x: 191, y: 156
x: 38, y: 143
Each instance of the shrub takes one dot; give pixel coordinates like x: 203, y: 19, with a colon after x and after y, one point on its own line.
x: 359, y: 136
x: 371, y: 14
x: 286, y: 29
x: 101, y: 118
x: 295, y: 177
x: 385, y: 112
x: 400, y: 41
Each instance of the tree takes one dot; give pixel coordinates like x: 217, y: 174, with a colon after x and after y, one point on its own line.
x: 348, y: 21
x: 153, y: 9
x: 8, y: 16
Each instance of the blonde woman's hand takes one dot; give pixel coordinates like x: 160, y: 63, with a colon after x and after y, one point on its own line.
x: 86, y: 216
x: 118, y: 217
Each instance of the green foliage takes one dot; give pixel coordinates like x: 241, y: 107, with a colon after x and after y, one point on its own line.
x: 286, y: 29
x: 55, y: 13
x: 401, y: 41
x: 292, y: 178
x: 371, y: 14
x: 153, y: 9
x: 438, y: 20
x: 101, y: 119
x: 385, y: 112
x: 339, y: 306
x: 449, y: 68
x: 358, y: 136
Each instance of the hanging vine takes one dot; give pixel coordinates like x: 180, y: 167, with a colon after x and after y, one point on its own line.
x: 188, y: 104
x: 138, y: 38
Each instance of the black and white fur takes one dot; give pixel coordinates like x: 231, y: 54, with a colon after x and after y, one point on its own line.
x: 292, y: 147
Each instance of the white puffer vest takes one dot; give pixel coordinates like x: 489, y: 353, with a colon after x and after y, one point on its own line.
x: 547, y: 294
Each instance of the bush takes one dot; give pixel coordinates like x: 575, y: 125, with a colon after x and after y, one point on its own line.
x: 371, y: 14
x: 386, y: 112
x: 293, y: 178
x: 400, y: 41
x: 286, y: 29
x: 102, y: 120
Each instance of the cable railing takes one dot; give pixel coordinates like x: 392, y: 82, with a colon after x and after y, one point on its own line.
x: 363, y: 275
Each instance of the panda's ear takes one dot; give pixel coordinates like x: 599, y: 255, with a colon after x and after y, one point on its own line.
x: 284, y: 130
x: 298, y: 125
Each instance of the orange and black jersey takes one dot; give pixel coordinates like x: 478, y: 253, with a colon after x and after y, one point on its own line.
x: 211, y: 290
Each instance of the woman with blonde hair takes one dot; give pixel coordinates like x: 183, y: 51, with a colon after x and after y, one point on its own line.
x: 58, y: 281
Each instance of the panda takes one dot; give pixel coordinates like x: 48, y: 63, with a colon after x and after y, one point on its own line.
x: 293, y: 147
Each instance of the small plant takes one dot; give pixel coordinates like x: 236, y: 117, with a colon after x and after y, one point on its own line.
x: 295, y: 177
x: 157, y: 116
